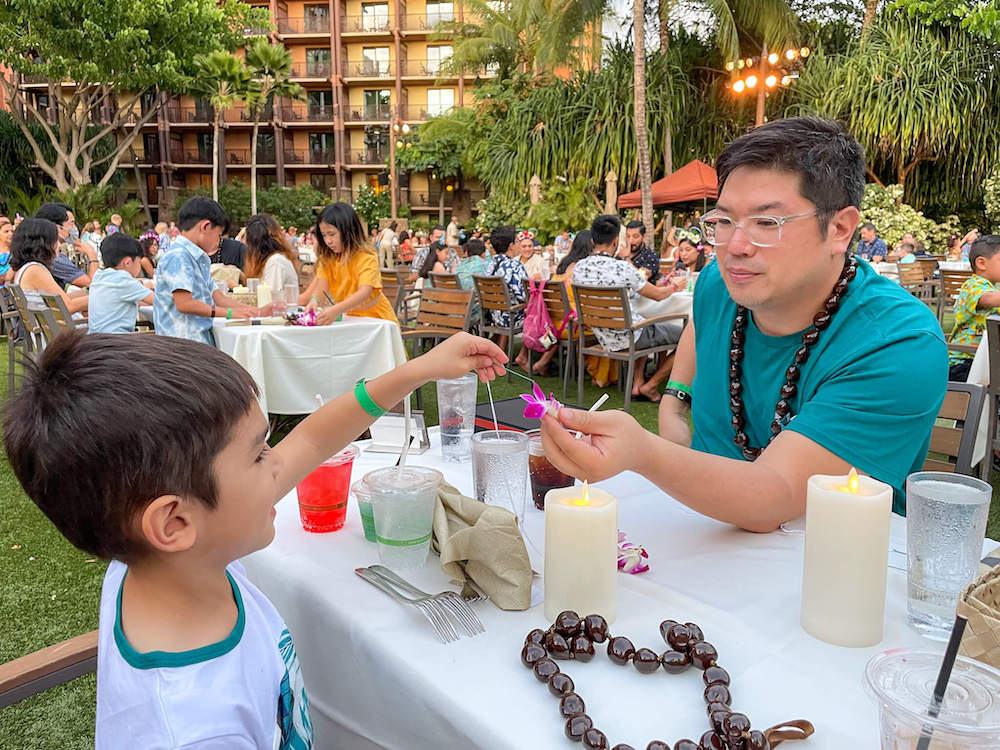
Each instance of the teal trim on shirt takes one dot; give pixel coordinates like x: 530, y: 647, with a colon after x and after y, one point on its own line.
x: 158, y: 659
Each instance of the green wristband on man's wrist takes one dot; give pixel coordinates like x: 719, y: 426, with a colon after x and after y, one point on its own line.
x: 682, y: 387
x: 365, y: 401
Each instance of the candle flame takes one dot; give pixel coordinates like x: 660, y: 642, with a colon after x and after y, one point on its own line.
x: 853, y: 483
x: 585, y: 500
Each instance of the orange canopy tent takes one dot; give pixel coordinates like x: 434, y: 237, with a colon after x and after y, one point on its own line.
x: 693, y: 182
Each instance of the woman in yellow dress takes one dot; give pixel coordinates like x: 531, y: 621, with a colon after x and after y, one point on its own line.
x: 347, y: 269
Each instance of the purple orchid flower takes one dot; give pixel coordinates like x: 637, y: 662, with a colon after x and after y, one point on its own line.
x: 631, y: 557
x: 538, y: 405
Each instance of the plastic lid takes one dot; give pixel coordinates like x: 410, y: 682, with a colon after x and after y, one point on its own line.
x: 410, y: 479
x: 348, y: 454
x: 903, y: 681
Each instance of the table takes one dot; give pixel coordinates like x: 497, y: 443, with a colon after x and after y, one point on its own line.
x: 954, y: 265
x: 291, y: 364
x: 678, y: 302
x: 378, y: 678
x: 889, y: 270
x: 979, y: 373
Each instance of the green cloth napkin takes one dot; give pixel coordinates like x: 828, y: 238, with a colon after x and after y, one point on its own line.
x: 482, y: 542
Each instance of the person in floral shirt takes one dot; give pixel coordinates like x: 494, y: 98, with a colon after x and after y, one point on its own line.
x: 977, y: 299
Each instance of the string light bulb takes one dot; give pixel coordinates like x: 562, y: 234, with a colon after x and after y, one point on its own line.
x: 804, y: 52
x: 738, y: 86
x: 751, y: 81
x: 730, y: 65
x: 771, y: 81
x: 785, y: 80
x: 406, y: 128
x: 772, y: 58
x: 791, y: 54
x: 739, y: 63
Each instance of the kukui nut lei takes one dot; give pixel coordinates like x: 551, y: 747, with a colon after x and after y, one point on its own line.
x: 573, y: 637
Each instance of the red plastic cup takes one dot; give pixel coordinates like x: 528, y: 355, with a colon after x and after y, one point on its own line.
x: 323, y: 494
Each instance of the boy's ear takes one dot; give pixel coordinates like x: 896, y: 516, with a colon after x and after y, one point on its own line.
x: 167, y: 524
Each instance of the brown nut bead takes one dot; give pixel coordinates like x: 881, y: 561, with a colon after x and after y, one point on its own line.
x: 756, y: 740
x: 622, y: 746
x: 560, y: 684
x: 620, y: 650
x: 571, y: 704
x: 531, y: 653
x: 582, y: 648
x: 685, y: 745
x: 568, y: 623
x: 718, y: 694
x: 703, y: 655
x: 595, y: 627
x: 535, y: 636
x: 658, y: 745
x: 716, y: 675
x: 664, y: 627
x: 595, y: 739
x: 557, y: 646
x: 711, y: 741
x: 544, y: 669
x: 675, y: 662
x: 577, y: 725
x: 646, y: 661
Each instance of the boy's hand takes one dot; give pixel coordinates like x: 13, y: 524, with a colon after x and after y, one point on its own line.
x: 462, y: 353
x: 612, y: 442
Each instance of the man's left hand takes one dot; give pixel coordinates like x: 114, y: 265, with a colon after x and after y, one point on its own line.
x: 612, y: 442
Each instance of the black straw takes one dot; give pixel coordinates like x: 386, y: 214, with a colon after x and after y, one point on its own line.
x: 950, y: 654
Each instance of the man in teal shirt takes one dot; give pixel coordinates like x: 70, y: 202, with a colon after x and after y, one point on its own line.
x: 791, y: 363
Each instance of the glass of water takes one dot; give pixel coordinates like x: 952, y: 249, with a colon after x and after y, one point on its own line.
x: 457, y: 415
x: 945, y: 527
x: 500, y: 469
x: 403, y: 503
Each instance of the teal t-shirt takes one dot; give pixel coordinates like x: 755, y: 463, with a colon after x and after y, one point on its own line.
x: 869, y: 393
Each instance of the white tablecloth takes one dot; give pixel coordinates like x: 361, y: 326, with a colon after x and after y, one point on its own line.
x: 291, y: 364
x: 954, y: 265
x: 678, y: 302
x: 889, y: 270
x: 378, y: 678
x: 979, y: 373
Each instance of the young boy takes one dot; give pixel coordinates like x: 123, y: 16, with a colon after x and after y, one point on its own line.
x: 977, y: 299
x: 186, y: 299
x: 191, y: 654
x: 116, y: 292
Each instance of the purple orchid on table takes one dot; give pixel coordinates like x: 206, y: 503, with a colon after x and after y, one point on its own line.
x: 538, y: 405
x: 631, y: 557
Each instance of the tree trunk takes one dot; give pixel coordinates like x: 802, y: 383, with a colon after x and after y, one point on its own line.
x: 870, y: 6
x: 253, y: 162
x: 668, y: 168
x: 140, y: 185
x: 663, y: 16
x: 641, y: 133
x: 216, y: 127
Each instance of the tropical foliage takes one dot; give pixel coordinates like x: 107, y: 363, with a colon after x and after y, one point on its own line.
x: 372, y: 206
x: 884, y: 207
x: 991, y: 198
x: 289, y: 206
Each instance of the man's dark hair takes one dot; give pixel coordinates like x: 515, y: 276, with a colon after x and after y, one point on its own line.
x: 636, y: 224
x: 57, y: 213
x: 605, y: 228
x: 985, y: 247
x: 33, y: 240
x: 829, y: 163
x: 475, y: 247
x: 501, y: 238
x: 117, y: 247
x: 198, y: 209
x: 440, y: 228
x: 868, y: 225
x: 92, y: 456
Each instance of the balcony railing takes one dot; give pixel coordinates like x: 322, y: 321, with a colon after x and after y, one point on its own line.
x: 34, y: 78
x: 240, y: 114
x: 370, y: 24
x: 418, y: 113
x: 432, y: 198
x: 310, y: 113
x: 191, y: 156
x: 324, y: 156
x: 307, y: 25
x: 370, y: 69
x: 375, y: 113
x: 425, y: 22
x: 313, y: 69
x: 252, y: 31
x: 368, y: 156
x: 433, y: 68
x: 179, y: 114
x: 244, y: 157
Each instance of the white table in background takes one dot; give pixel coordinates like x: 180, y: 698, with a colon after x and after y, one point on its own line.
x: 678, y: 302
x: 291, y: 364
x: 979, y: 373
x: 889, y: 270
x: 378, y: 678
x: 954, y: 265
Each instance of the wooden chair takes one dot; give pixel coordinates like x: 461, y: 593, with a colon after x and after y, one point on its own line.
x: 21, y: 326
x: 494, y: 296
x: 56, y: 317
x: 608, y: 307
x: 445, y: 280
x: 992, y: 394
x: 391, y: 288
x: 405, y: 292
x: 558, y: 305
x: 442, y: 313
x: 951, y: 284
x: 47, y: 667
x: 928, y: 265
x: 952, y: 444
x: 912, y: 279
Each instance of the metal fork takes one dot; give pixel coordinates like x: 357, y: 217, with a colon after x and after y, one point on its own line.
x: 471, y: 592
x: 450, y: 601
x: 431, y: 610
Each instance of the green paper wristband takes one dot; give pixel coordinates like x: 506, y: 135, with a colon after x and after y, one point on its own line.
x: 679, y: 386
x: 365, y: 401
x: 229, y: 313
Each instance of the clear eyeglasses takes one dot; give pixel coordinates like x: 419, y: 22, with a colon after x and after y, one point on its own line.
x: 762, y: 231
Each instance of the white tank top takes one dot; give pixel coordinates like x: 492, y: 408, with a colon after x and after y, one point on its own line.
x: 33, y: 296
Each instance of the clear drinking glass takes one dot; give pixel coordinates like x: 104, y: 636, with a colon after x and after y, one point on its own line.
x: 291, y: 294
x: 252, y: 285
x: 902, y: 683
x: 403, y: 504
x: 457, y: 415
x: 500, y: 469
x: 945, y: 527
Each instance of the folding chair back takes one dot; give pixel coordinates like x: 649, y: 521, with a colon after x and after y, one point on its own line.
x: 445, y: 280
x: 951, y: 285
x: 952, y: 444
x: 443, y: 310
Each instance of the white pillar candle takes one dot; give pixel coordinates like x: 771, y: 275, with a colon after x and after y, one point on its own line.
x: 581, y: 552
x: 846, y: 556
x: 263, y: 295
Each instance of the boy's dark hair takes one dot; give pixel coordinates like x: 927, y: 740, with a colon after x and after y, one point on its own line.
x: 92, y: 460
x: 33, y: 240
x: 118, y: 247
x: 605, y: 229
x: 501, y: 238
x: 636, y: 224
x: 985, y: 247
x: 198, y: 209
x: 54, y: 212
x: 907, y: 247
x: 475, y: 247
x: 829, y: 163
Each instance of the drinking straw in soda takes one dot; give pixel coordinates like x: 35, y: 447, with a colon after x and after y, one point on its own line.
x: 944, y: 675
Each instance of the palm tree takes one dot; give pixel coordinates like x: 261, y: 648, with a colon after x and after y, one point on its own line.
x: 526, y: 36
x: 223, y: 80
x: 270, y: 67
x: 639, y: 109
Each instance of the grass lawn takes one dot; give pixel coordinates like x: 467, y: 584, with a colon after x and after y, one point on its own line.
x: 50, y: 590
